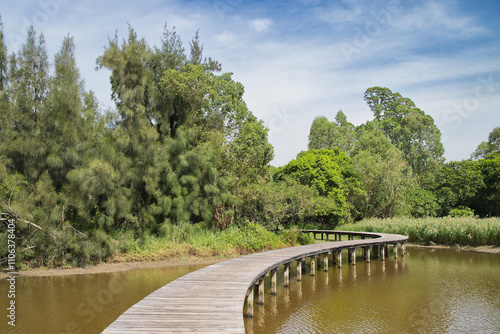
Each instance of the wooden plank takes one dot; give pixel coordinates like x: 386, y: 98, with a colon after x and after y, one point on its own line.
x: 212, y: 299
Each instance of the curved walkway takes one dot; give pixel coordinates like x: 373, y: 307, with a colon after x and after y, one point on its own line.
x: 212, y: 299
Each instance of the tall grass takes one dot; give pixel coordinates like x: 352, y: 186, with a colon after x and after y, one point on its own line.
x: 186, y: 240
x: 466, y: 231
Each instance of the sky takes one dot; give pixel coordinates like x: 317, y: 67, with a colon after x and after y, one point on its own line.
x: 300, y: 59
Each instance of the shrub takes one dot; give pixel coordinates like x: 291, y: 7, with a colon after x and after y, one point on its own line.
x: 462, y: 211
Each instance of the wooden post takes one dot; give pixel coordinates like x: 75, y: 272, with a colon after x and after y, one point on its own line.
x: 273, y: 281
x: 250, y: 294
x: 396, y: 251
x: 286, y: 275
x: 403, y: 249
x: 367, y: 254
x: 325, y: 261
x: 352, y: 256
x: 299, y: 270
x: 313, y: 265
x: 382, y: 253
x: 261, y: 291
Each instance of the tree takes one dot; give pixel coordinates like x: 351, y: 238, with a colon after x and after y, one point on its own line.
x: 64, y: 130
x: 135, y: 133
x: 196, y: 57
x: 457, y: 184
x: 29, y: 85
x: 330, y: 172
x: 490, y: 147
x: 384, y: 174
x: 5, y: 106
x: 286, y: 203
x: 339, y: 134
x: 409, y: 129
x: 3, y: 61
x: 487, y: 200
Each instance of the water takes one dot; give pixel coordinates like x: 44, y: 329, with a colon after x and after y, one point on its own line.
x: 82, y: 304
x: 428, y: 291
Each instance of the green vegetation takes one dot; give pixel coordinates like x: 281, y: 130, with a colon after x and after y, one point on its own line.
x: 183, y: 240
x: 465, y: 231
x: 181, y: 166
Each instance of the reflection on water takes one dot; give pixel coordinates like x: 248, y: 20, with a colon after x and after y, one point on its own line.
x: 83, y: 304
x: 428, y: 291
x: 441, y: 291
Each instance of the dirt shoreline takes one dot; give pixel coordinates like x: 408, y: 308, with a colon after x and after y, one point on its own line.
x: 115, y: 267
x: 123, y: 266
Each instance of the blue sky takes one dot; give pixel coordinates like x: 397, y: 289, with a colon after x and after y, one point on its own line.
x: 300, y: 59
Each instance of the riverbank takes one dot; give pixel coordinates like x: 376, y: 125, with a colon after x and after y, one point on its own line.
x: 480, y: 249
x: 117, y: 266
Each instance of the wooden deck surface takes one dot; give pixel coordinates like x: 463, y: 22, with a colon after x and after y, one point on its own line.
x: 211, y: 300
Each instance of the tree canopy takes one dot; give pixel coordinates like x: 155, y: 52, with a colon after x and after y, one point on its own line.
x: 181, y: 147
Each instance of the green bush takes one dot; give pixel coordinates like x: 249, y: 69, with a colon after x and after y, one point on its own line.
x: 462, y: 211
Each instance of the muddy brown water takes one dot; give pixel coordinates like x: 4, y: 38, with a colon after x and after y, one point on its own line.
x: 428, y: 291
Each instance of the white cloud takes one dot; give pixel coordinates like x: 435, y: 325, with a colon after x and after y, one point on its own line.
x: 261, y: 25
x: 225, y: 37
x: 294, y: 75
x: 439, y: 20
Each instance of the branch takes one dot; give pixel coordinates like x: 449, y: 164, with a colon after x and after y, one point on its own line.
x: 74, y: 229
x: 26, y: 222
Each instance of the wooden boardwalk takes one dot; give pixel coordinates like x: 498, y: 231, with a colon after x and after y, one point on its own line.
x: 214, y: 299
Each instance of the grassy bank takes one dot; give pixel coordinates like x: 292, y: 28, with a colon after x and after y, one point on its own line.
x: 445, y: 231
x: 186, y: 240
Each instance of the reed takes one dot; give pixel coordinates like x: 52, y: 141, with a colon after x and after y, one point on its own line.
x: 462, y: 231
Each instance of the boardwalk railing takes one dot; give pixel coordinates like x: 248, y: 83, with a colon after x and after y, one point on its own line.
x: 216, y: 299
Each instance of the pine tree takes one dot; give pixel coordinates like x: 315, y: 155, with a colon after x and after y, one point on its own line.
x: 29, y: 85
x: 196, y: 57
x: 5, y: 108
x: 3, y: 61
x: 63, y: 124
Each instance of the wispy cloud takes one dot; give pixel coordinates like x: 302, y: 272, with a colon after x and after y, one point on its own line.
x: 289, y: 55
x: 261, y: 24
x: 440, y: 20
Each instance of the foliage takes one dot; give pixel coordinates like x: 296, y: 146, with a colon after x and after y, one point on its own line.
x: 286, y: 203
x: 490, y: 147
x: 331, y: 173
x: 461, y: 211
x: 458, y: 182
x: 184, y: 240
x: 181, y: 166
x: 487, y: 202
x: 178, y: 147
x: 464, y: 231
x: 330, y: 135
x: 473, y: 184
x: 384, y: 175
x: 422, y: 202
x: 408, y: 128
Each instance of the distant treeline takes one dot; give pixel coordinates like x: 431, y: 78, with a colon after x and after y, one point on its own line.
x: 181, y: 147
